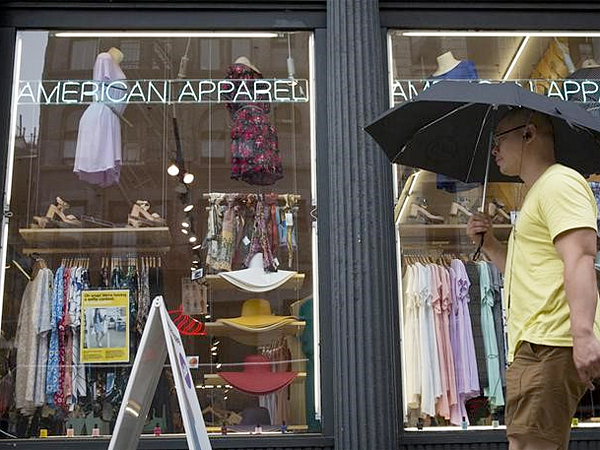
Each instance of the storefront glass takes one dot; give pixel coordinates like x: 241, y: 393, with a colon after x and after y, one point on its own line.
x: 171, y: 164
x: 432, y: 212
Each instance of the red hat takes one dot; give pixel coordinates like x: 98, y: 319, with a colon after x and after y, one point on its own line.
x: 257, y: 378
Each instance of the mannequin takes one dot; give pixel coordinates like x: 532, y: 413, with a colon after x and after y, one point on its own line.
x: 255, y: 156
x: 451, y: 68
x: 445, y: 63
x: 245, y: 61
x: 98, y: 152
x: 116, y: 55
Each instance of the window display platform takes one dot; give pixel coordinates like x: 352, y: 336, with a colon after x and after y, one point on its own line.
x: 218, y: 283
x: 215, y: 378
x: 95, y: 240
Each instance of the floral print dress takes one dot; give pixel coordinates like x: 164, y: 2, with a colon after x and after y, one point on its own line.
x: 254, y: 151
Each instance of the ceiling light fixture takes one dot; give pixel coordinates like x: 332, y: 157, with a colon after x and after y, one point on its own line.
x: 188, y: 178
x: 193, y: 239
x: 167, y: 34
x: 475, y: 33
x: 184, y: 230
x: 188, y: 207
x: 173, y: 169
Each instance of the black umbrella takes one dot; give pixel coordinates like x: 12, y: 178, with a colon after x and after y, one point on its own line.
x: 447, y: 129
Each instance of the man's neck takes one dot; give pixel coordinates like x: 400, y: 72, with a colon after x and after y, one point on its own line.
x: 532, y: 172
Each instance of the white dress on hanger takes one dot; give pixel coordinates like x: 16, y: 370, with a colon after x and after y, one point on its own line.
x: 98, y: 153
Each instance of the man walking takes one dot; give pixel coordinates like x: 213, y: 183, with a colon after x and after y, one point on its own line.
x: 550, y: 285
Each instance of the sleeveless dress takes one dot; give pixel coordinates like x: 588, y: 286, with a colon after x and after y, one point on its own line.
x: 255, y: 155
x: 98, y: 152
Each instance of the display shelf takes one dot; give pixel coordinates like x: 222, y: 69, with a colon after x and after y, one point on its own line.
x: 218, y: 283
x: 220, y: 329
x: 95, y: 240
x: 245, y: 429
x: 444, y: 234
x: 214, y: 379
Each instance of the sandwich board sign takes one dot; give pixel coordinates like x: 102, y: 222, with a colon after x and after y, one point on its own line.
x: 159, y: 340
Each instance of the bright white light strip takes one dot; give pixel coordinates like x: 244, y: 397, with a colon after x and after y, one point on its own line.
x: 313, y: 113
x: 9, y: 166
x: 165, y: 34
x: 513, y: 63
x: 472, y: 33
x: 316, y: 325
x: 314, y: 230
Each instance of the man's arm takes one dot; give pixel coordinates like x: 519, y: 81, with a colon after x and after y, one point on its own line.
x: 493, y: 248
x: 577, y: 249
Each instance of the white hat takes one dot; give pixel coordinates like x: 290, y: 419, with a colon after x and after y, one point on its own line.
x: 255, y: 278
x: 245, y: 61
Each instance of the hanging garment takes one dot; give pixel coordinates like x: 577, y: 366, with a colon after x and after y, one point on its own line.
x: 31, y: 340
x: 461, y: 338
x: 260, y: 239
x: 431, y: 385
x: 255, y: 155
x: 441, y: 308
x: 493, y: 391
x: 52, y: 374
x: 475, y: 312
x: 79, y: 283
x: 98, y: 152
x: 412, y: 347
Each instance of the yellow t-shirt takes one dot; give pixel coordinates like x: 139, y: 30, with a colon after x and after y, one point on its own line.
x: 535, y: 299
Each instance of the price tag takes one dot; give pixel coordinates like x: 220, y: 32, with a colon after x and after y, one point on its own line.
x: 289, y: 219
x: 246, y: 241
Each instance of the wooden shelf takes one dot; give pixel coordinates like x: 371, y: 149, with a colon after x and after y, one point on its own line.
x: 220, y: 329
x: 444, y: 234
x: 215, y: 379
x: 95, y: 240
x: 218, y: 283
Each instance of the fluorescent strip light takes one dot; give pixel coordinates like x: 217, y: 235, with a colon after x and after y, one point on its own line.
x: 474, y: 33
x: 166, y: 34
x: 316, y: 323
x: 513, y: 63
x: 313, y: 115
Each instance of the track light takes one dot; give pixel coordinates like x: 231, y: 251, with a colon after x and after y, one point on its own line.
x: 173, y: 169
x: 188, y: 177
x: 188, y: 207
x: 184, y: 230
x: 196, y: 247
x: 193, y: 239
x: 185, y: 224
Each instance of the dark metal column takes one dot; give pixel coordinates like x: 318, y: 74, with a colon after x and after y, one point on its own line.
x: 360, y: 229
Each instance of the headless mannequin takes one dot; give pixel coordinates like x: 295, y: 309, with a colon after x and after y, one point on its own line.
x: 245, y: 61
x: 116, y: 55
x: 445, y: 63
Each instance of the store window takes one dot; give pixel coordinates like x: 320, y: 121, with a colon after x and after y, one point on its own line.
x: 160, y: 164
x: 431, y: 215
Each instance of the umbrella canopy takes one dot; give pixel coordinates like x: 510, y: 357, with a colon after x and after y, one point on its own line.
x: 447, y: 129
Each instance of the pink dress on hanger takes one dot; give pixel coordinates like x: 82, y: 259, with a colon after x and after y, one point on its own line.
x: 98, y: 153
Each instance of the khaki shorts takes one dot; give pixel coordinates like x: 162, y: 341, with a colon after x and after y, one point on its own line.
x: 542, y: 393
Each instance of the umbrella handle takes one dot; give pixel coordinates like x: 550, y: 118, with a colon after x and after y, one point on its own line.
x: 477, y: 253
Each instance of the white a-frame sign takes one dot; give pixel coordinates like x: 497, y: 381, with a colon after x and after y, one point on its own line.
x: 160, y: 338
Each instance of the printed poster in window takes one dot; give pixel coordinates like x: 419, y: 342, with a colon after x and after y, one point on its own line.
x: 105, y: 326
